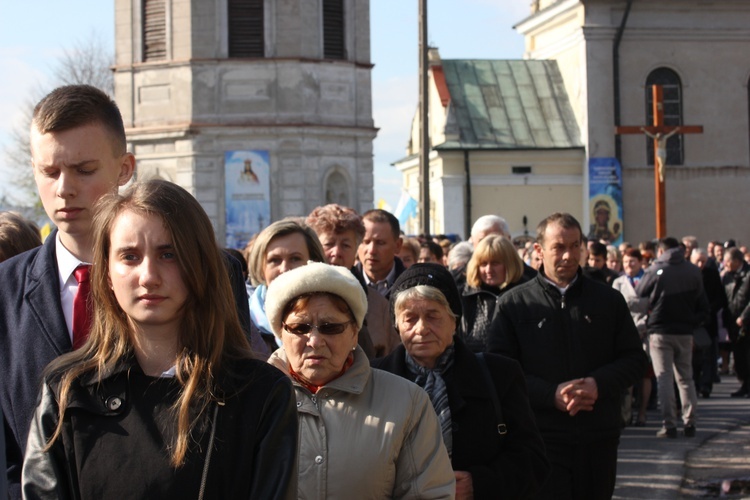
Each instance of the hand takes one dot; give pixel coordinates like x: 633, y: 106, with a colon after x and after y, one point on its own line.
x: 739, y: 321
x: 576, y: 395
x: 464, y: 485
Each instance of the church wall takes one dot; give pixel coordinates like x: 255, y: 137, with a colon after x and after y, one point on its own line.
x: 555, y: 184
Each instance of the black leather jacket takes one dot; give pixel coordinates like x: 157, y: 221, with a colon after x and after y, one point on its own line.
x: 116, y: 435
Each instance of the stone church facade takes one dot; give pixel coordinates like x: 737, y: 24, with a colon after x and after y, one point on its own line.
x: 195, y: 80
x: 698, y: 51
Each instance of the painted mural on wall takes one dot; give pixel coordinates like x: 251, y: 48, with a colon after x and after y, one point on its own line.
x: 247, y: 195
x: 605, y: 200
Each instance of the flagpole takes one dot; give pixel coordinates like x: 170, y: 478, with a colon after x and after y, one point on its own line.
x: 424, y: 131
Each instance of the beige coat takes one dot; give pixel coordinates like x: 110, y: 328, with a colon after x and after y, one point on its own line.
x: 369, y: 434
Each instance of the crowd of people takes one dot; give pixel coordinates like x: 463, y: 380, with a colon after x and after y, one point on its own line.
x: 333, y: 356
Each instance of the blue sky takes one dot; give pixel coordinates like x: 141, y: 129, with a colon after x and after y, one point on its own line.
x: 33, y: 35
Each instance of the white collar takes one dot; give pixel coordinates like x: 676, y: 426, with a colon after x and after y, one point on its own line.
x: 66, y: 261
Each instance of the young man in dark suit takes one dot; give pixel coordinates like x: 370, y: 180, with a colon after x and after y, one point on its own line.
x: 78, y: 153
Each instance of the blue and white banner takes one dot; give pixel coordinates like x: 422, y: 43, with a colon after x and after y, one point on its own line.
x: 605, y: 200
x: 406, y: 208
x: 247, y: 195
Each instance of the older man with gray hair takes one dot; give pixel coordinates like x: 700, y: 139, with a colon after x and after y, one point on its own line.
x: 487, y: 225
x: 494, y: 224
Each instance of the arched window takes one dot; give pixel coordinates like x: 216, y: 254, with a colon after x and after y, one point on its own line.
x: 333, y: 29
x: 245, y: 22
x: 337, y: 189
x: 672, y: 86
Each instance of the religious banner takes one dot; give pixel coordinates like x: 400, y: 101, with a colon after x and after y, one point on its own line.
x: 605, y: 200
x: 247, y: 195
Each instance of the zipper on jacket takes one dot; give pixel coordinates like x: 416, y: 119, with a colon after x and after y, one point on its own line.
x: 314, y: 399
x: 562, y: 302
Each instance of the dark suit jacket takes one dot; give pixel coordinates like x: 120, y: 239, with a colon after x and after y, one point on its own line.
x: 33, y: 333
x: 513, y: 468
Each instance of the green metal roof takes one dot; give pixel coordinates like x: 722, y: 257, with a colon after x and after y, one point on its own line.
x: 508, y: 104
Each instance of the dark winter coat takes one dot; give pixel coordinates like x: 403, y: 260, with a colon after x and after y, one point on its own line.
x: 116, y: 436
x: 512, y: 468
x: 588, y: 332
x: 677, y: 301
x: 478, y: 305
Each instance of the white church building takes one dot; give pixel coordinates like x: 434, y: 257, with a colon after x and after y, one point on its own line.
x: 590, y: 67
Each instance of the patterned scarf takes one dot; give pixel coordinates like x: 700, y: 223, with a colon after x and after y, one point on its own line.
x: 432, y: 382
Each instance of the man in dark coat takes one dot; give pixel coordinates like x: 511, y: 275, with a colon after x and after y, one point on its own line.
x: 736, y: 316
x: 677, y: 306
x: 705, y: 367
x: 579, y: 349
x: 378, y: 261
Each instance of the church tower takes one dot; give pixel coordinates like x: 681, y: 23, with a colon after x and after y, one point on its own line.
x: 261, y: 108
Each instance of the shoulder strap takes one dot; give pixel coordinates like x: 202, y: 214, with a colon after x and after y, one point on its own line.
x: 502, y: 429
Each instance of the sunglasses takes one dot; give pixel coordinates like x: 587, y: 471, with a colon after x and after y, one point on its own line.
x: 324, y: 329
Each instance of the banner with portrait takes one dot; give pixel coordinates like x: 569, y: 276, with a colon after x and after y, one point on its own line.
x: 247, y: 195
x: 605, y: 200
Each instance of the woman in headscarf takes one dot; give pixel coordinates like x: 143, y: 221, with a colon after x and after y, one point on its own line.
x: 363, y: 433
x: 481, y: 401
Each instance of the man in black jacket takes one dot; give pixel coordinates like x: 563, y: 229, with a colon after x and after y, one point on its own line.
x: 677, y: 306
x: 736, y: 316
x: 579, y: 349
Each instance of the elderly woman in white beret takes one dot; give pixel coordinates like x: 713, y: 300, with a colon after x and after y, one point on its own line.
x: 364, y: 433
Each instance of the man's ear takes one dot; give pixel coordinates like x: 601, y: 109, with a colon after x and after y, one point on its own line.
x: 538, y: 249
x: 399, y: 244
x: 127, y: 167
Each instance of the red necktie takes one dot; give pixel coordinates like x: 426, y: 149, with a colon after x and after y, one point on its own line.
x: 81, y: 310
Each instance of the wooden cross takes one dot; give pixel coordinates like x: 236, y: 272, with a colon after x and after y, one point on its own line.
x: 659, y: 133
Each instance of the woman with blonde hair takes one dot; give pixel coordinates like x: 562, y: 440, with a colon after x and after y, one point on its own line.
x: 165, y: 398
x: 282, y: 246
x: 494, y: 268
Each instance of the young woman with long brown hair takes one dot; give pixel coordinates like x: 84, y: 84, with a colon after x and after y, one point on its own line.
x: 164, y: 400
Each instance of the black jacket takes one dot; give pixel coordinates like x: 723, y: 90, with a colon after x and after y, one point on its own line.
x: 737, y: 288
x: 588, y: 332
x: 478, y: 306
x: 33, y: 333
x: 677, y: 301
x: 513, y: 468
x: 400, y: 268
x: 115, y: 438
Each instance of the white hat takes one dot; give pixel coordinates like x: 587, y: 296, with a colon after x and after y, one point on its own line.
x: 312, y: 278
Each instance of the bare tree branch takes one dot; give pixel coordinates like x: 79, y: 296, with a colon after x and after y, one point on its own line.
x: 86, y: 62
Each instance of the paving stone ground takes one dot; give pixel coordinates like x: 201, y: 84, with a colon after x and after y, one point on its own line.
x: 653, y: 468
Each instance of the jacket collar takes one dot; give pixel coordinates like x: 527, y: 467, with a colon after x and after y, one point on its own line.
x: 544, y: 282
x: 352, y: 381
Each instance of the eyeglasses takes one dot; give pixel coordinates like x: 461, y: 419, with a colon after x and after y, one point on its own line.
x: 324, y: 329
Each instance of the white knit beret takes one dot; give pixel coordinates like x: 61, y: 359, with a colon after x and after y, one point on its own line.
x: 312, y: 278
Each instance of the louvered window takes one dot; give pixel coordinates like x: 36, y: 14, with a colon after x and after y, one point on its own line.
x: 154, y: 30
x: 245, y: 28
x: 672, y: 87
x: 333, y: 29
